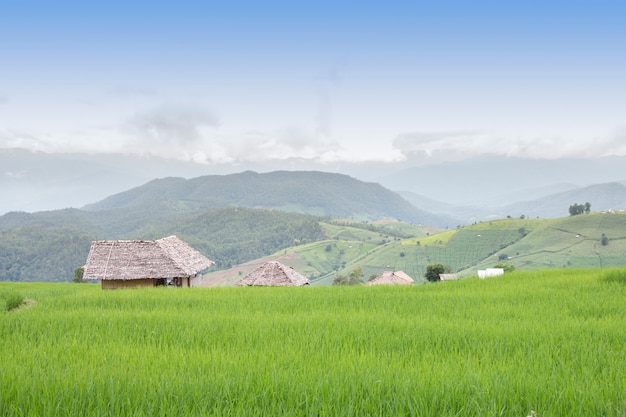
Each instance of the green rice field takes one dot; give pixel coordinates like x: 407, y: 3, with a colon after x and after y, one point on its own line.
x: 548, y: 343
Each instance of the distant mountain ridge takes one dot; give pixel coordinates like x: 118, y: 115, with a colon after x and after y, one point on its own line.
x: 496, y: 181
x: 37, y: 181
x: 309, y: 192
x: 602, y: 197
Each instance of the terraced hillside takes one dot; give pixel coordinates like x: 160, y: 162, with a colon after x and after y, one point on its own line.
x: 596, y: 240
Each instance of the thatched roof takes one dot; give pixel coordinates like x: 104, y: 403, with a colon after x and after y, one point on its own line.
x: 169, y: 257
x: 274, y: 274
x: 391, y: 278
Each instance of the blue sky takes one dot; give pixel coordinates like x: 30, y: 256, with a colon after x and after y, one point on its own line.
x: 242, y: 81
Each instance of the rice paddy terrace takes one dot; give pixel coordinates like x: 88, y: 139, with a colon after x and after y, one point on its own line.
x: 596, y: 240
x: 548, y: 342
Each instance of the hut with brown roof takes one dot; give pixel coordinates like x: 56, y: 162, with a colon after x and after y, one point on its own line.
x: 144, y: 263
x: 274, y: 274
x: 391, y: 278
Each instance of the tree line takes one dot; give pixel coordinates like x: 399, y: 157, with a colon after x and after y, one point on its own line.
x: 576, y: 209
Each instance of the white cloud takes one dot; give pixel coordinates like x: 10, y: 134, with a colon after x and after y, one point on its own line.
x: 171, y: 125
x: 12, y: 138
x: 194, y: 132
x: 259, y: 146
x: 511, y: 143
x: 616, y: 143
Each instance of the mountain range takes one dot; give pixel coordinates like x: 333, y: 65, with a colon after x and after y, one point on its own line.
x: 310, y: 192
x: 467, y: 190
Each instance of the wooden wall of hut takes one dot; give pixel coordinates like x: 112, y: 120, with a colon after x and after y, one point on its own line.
x: 112, y: 284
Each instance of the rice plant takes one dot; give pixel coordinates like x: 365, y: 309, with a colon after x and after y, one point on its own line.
x: 546, y: 341
x: 12, y: 300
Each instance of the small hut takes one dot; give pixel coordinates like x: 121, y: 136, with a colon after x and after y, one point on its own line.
x: 274, y: 274
x: 144, y: 263
x: 391, y: 278
x: 448, y: 277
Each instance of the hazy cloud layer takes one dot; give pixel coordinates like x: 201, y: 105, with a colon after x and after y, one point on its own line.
x: 193, y: 134
x: 617, y: 142
x: 471, y: 143
x: 176, y: 126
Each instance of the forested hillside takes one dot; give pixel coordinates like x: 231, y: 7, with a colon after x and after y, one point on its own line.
x: 309, y: 192
x: 48, y: 246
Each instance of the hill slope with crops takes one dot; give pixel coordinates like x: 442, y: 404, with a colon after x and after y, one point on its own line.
x: 596, y: 240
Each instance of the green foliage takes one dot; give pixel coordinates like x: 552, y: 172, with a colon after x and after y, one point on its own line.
x: 548, y: 341
x: 307, y: 192
x: 78, y: 275
x: 37, y: 254
x: 12, y: 300
x: 506, y: 267
x: 231, y: 236
x: 433, y: 271
x: 354, y: 278
x: 617, y: 276
x: 576, y: 209
x: 47, y: 246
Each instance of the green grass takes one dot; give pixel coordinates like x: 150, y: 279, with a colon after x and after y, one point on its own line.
x: 549, y: 341
x: 11, y: 300
x: 439, y: 239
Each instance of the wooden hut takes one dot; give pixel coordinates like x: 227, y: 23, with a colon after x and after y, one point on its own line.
x: 391, y: 278
x: 144, y: 263
x: 274, y: 274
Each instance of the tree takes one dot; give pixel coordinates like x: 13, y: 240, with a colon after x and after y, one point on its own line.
x: 433, y: 271
x: 576, y: 209
x: 78, y: 275
x: 604, y: 240
x: 353, y: 278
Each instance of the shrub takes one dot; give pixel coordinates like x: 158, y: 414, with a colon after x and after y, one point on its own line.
x: 13, y: 301
x: 616, y: 276
x: 78, y: 274
x: 506, y: 267
x: 604, y: 240
x: 354, y: 278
